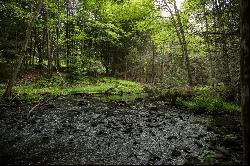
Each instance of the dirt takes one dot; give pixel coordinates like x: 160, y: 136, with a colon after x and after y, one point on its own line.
x: 80, y: 130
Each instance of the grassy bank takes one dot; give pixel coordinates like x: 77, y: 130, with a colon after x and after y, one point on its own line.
x: 201, y: 99
x: 57, y: 85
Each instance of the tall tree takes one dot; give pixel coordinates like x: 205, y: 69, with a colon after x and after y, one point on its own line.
x: 35, y: 8
x: 244, y: 75
x: 176, y: 20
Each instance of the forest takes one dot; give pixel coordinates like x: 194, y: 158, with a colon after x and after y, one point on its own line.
x: 121, y: 82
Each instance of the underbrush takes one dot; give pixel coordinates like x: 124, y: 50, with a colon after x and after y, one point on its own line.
x: 211, y: 99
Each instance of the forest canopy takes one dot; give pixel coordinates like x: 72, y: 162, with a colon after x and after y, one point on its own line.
x: 143, y: 40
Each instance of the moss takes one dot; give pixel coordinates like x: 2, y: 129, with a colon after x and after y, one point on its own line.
x: 208, y: 156
x: 56, y: 86
x: 199, y: 99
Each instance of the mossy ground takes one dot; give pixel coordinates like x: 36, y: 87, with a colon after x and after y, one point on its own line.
x: 58, y: 85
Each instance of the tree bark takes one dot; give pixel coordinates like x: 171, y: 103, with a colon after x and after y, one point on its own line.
x: 244, y: 77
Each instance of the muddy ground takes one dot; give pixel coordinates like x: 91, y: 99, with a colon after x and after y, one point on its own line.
x: 77, y: 129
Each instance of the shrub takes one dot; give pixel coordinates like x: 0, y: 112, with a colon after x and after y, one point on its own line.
x: 209, y: 104
x: 54, y: 81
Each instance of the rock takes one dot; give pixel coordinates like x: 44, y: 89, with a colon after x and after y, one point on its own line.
x: 192, y: 160
x: 127, y: 130
x: 173, y: 121
x: 122, y: 103
x: 175, y: 153
x: 71, y: 141
x: 45, y: 139
x: 139, y: 99
x: 181, y: 118
x: 94, y: 124
x: 59, y: 131
x: 101, y: 133
x: 223, y: 150
x: 153, y: 108
x: 186, y: 149
x: 154, y: 159
x: 229, y: 140
x: 37, y: 131
x: 210, y: 128
x: 83, y: 103
x: 171, y: 137
x: 200, y: 136
x: 199, y: 145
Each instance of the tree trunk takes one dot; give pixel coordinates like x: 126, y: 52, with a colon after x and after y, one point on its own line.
x: 182, y: 39
x: 57, y: 62
x: 67, y: 34
x: 34, y: 48
x: 8, y: 91
x: 184, y: 44
x: 153, y: 64
x: 244, y: 76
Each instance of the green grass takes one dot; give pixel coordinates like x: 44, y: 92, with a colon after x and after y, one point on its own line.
x: 208, y: 156
x: 2, y: 87
x: 209, y: 105
x: 212, y: 99
x: 58, y: 86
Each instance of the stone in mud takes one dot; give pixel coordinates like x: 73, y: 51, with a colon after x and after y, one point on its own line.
x: 122, y: 103
x: 180, y: 117
x: 49, y: 106
x: 175, y: 153
x: 37, y: 131
x: 33, y: 121
x: 45, y: 139
x: 229, y: 140
x: 101, y: 133
x: 139, y: 99
x: 210, y: 128
x: 186, y: 149
x: 153, y: 108
x: 94, y: 124
x: 173, y: 121
x: 153, y: 125
x: 74, y: 112
x: 71, y: 141
x: 83, y: 103
x: 127, y: 130
x: 172, y: 137
x: 199, y: 145
x: 59, y: 131
x: 153, y: 159
x: 192, y: 160
x: 19, y: 128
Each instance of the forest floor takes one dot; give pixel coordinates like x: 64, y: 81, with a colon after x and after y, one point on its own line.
x: 77, y: 129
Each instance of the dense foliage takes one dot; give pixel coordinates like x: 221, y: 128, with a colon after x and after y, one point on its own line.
x: 196, y: 44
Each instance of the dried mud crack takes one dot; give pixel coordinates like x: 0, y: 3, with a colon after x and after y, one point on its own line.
x: 78, y: 130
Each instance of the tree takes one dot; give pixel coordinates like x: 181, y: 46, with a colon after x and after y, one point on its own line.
x: 244, y: 75
x: 177, y: 23
x: 34, y: 13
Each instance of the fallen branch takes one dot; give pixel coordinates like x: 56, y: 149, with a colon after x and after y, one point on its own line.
x: 39, y: 103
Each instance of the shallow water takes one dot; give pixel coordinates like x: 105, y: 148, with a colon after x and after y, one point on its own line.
x: 81, y: 130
